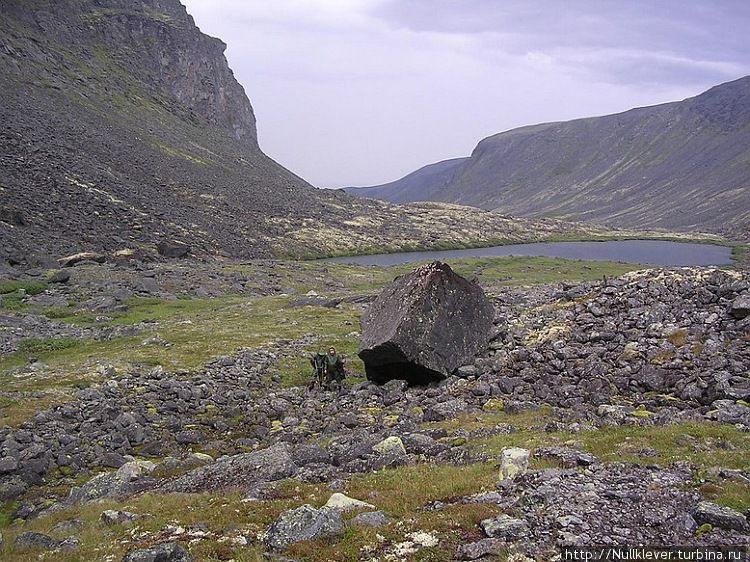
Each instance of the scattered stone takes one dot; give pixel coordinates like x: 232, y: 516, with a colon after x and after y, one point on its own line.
x: 168, y: 552
x: 424, y: 325
x: 112, y: 517
x: 514, y: 461
x: 719, y: 516
x: 304, y: 523
x: 344, y: 503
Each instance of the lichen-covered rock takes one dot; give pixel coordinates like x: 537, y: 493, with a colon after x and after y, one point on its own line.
x: 514, y: 461
x: 302, y: 524
x: 390, y: 446
x: 424, y: 325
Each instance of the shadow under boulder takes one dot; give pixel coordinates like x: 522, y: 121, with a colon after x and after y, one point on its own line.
x: 424, y: 325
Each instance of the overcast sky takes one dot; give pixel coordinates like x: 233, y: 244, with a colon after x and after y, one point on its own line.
x: 361, y: 92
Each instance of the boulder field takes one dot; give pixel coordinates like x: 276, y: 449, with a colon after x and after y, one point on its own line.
x: 648, y: 349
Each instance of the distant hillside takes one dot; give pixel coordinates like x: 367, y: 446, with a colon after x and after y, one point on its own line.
x: 682, y: 165
x: 417, y: 186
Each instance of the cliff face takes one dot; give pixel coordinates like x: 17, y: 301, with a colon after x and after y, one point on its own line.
x: 154, y: 42
x: 680, y: 165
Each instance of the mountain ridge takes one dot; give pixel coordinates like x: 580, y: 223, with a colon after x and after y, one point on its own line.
x: 679, y: 165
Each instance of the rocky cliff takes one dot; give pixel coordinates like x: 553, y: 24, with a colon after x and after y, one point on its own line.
x: 681, y: 165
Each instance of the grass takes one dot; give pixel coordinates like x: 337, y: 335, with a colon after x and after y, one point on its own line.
x: 221, y: 511
x: 31, y: 287
x: 704, y: 444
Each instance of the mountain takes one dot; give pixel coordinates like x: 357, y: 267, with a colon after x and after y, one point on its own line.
x: 122, y: 126
x: 682, y: 165
x: 417, y: 186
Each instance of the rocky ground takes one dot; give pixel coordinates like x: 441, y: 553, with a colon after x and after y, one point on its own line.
x: 625, y: 398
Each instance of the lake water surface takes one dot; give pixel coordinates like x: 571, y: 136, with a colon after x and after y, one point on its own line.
x: 649, y: 252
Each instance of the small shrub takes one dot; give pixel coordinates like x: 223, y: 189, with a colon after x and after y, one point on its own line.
x: 678, y: 338
x: 46, y: 345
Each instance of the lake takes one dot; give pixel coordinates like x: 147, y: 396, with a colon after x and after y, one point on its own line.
x: 648, y: 252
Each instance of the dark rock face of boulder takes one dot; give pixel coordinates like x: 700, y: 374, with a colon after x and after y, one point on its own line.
x: 39, y: 541
x: 424, y: 325
x: 172, y: 249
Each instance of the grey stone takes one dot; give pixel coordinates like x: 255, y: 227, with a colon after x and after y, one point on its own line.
x: 503, y: 527
x: 740, y: 307
x: 479, y: 549
x: 719, y: 516
x: 168, y: 552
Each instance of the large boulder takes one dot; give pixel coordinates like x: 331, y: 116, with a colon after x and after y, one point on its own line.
x: 424, y: 325
x: 237, y: 471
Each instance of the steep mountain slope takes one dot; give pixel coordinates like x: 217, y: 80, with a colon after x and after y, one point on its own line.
x: 121, y: 126
x: 682, y: 165
x: 417, y: 186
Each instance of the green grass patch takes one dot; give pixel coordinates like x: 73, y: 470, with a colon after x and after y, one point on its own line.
x: 31, y: 287
x: 7, y: 509
x: 705, y: 445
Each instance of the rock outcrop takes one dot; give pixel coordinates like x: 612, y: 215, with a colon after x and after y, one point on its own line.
x: 424, y: 325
